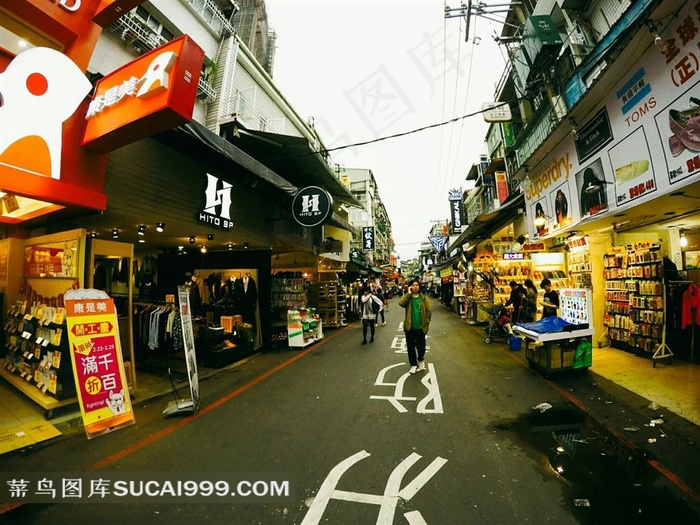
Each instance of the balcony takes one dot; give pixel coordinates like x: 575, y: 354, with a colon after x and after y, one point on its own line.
x: 211, y: 15
x: 132, y: 30
x: 205, y: 91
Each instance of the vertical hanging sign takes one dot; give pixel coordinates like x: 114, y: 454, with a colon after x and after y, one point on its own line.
x: 456, y: 209
x: 368, y: 238
x: 98, y: 368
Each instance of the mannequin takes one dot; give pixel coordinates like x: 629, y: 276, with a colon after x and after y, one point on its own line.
x: 193, y: 290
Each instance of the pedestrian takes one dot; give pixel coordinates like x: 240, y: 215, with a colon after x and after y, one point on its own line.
x: 371, y: 305
x: 380, y: 295
x: 530, y: 308
x: 416, y: 324
x: 550, y: 303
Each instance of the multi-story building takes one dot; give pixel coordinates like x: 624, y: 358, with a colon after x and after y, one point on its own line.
x: 597, y: 149
x: 199, y: 177
x: 373, y: 215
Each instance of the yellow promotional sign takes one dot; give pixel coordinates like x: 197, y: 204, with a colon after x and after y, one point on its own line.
x: 98, y: 368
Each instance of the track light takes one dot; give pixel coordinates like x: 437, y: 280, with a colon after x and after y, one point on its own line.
x: 160, y: 227
x: 142, y: 229
x: 210, y: 236
x: 93, y: 234
x: 203, y: 249
x: 192, y: 239
x: 230, y: 246
x: 246, y: 245
x: 683, y: 240
x: 115, y: 233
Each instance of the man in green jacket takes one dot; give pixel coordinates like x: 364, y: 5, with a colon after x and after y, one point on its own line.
x: 415, y: 325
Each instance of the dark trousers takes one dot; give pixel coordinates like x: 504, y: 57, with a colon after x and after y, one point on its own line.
x: 415, y: 345
x: 367, y: 323
x: 380, y: 313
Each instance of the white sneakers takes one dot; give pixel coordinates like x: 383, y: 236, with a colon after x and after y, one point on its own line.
x: 414, y: 369
x: 384, y: 323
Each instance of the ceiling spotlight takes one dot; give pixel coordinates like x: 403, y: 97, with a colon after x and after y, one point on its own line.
x: 115, y: 233
x: 93, y: 234
x: 230, y: 246
x: 246, y: 245
x: 160, y: 227
x: 142, y: 241
x: 192, y: 238
x: 683, y: 240
x: 203, y: 249
x: 142, y: 229
x: 180, y: 248
x: 210, y: 236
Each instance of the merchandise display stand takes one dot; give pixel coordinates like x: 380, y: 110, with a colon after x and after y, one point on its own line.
x: 663, y: 351
x: 304, y: 327
x: 38, y: 360
x: 552, y: 352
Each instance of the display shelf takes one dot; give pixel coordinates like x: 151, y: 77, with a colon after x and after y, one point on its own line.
x: 579, y: 265
x: 37, y: 359
x: 507, y: 271
x: 331, y: 303
x: 304, y: 327
x: 634, y: 300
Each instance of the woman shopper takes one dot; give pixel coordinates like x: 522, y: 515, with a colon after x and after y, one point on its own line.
x: 416, y: 324
x: 530, y: 308
x: 371, y: 306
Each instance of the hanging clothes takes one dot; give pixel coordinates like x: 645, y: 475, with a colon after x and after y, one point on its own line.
x: 691, y: 299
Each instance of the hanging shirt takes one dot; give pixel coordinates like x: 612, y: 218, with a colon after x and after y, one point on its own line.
x: 691, y: 299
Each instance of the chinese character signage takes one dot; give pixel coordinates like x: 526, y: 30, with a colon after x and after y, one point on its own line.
x: 368, y: 238
x: 96, y: 353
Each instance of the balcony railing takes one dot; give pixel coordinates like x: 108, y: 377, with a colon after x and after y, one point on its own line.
x: 205, y: 91
x: 210, y: 13
x: 132, y: 30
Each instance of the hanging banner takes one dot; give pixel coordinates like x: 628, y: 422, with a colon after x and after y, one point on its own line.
x: 456, y: 209
x: 98, y: 368
x: 438, y: 242
x: 368, y: 238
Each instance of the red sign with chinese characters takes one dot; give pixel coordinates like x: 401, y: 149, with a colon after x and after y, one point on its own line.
x: 149, y: 95
x: 97, y: 361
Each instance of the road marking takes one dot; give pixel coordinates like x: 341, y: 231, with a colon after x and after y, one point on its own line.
x: 387, y: 502
x: 429, y: 380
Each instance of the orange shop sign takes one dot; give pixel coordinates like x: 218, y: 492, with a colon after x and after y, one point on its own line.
x: 153, y: 93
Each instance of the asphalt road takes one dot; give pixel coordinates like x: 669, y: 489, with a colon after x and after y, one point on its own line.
x: 360, y: 441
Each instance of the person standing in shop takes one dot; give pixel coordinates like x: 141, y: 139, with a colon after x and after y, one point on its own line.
x: 371, y: 306
x: 530, y: 307
x: 416, y: 324
x: 550, y: 303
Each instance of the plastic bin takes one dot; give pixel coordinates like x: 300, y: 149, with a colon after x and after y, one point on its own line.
x: 515, y: 343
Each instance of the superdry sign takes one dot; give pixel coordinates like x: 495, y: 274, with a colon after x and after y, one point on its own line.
x: 312, y: 206
x: 154, y: 93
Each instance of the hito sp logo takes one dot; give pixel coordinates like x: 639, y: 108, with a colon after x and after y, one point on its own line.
x: 217, y: 210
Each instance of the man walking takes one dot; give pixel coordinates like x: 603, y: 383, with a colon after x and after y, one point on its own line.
x: 415, y: 325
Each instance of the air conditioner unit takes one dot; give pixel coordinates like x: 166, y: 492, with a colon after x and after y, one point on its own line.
x: 579, y: 52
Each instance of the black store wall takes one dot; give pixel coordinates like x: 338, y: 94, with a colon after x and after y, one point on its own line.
x: 172, y: 268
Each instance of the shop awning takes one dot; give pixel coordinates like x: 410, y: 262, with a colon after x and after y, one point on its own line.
x: 488, y: 223
x: 449, y: 262
x: 337, y: 221
x: 292, y: 157
x: 376, y: 270
x: 197, y: 140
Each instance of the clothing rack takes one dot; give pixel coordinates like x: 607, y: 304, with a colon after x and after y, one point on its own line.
x: 693, y: 314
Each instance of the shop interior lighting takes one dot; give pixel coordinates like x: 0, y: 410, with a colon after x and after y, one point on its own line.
x: 246, y: 245
x: 683, y: 239
x: 142, y: 241
x: 203, y: 249
x: 541, y: 220
x: 160, y: 227
x: 210, y: 236
x: 142, y: 229
x: 192, y: 239
x: 93, y: 234
x: 230, y: 246
x: 115, y: 233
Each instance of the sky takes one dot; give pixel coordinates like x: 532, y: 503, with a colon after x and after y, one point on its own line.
x: 364, y: 70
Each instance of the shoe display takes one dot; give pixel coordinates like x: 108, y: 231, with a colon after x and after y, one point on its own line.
x: 421, y: 365
x: 413, y: 370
